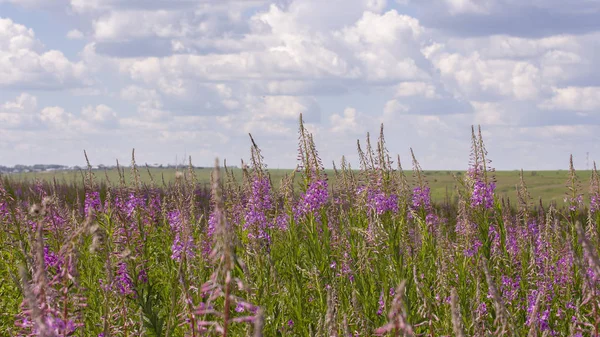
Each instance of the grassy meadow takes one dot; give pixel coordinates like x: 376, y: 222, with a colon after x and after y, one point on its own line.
x: 549, y: 186
x: 371, y: 252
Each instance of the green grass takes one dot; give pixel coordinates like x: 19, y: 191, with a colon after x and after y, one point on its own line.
x: 550, y: 186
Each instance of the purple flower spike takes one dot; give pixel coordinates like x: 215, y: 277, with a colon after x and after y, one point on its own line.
x: 92, y: 202
x: 483, y: 194
x: 421, y: 198
x: 315, y: 197
x: 181, y: 245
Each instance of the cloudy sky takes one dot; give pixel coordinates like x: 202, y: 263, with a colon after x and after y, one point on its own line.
x: 174, y: 78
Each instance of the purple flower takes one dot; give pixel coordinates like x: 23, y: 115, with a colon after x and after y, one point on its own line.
x: 432, y: 219
x: 594, y: 203
x: 381, y: 305
x: 133, y: 202
x: 123, y: 280
x: 257, y: 208
x: 210, y: 231
x: 474, y: 249
x: 421, y: 198
x: 58, y: 325
x: 180, y: 245
x: 51, y: 259
x: 509, y: 288
x: 379, y: 202
x: 92, y: 202
x: 481, y: 309
x: 143, y: 276
x: 483, y: 194
x: 574, y: 203
x: 315, y: 197
x: 281, y: 222
x: 3, y: 202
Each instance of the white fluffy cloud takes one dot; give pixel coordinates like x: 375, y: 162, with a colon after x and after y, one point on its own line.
x: 20, y: 113
x: 75, y: 34
x: 574, y: 98
x: 23, y: 61
x: 473, y: 76
x: 167, y: 76
x: 407, y: 89
x: 125, y: 25
x: 349, y: 122
x: 99, y: 115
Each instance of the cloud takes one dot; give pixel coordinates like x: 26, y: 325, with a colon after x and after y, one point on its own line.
x: 125, y: 25
x: 394, y: 107
x: 194, y: 77
x: 387, y: 46
x: 57, y: 118
x: 34, y: 4
x: 23, y: 113
x: 278, y: 115
x: 473, y: 76
x: 349, y: 122
x: 574, y: 98
x: 20, y: 113
x: 407, y: 89
x: 100, y: 115
x: 24, y: 64
x: 537, y: 18
x: 467, y: 6
x: 74, y: 34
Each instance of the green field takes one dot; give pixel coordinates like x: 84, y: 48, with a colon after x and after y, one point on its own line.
x: 547, y: 185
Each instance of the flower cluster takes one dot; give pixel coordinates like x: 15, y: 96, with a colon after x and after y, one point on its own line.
x: 315, y: 197
x: 379, y: 202
x: 92, y: 202
x: 594, y: 203
x: 257, y: 208
x: 483, y: 194
x: 575, y: 202
x: 181, y: 245
x: 123, y: 281
x: 421, y: 198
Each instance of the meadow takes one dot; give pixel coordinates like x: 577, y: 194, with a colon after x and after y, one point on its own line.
x: 549, y: 186
x: 373, y: 250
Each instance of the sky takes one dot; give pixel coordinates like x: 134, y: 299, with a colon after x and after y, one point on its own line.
x: 179, y: 78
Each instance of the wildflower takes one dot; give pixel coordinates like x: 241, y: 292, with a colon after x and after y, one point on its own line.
x: 315, y: 197
x: 574, y: 202
x: 378, y: 202
x: 481, y: 309
x: 594, y: 203
x: 509, y: 288
x: 181, y: 245
x: 92, y: 202
x: 421, y: 198
x: 51, y: 259
x: 124, y: 282
x: 483, y: 194
x: 381, y: 305
x: 258, y: 206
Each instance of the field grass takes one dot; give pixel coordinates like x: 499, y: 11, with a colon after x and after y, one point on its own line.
x: 367, y: 253
x: 547, y: 185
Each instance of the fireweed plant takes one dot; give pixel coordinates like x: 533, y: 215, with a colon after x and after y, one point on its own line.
x: 368, y: 255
